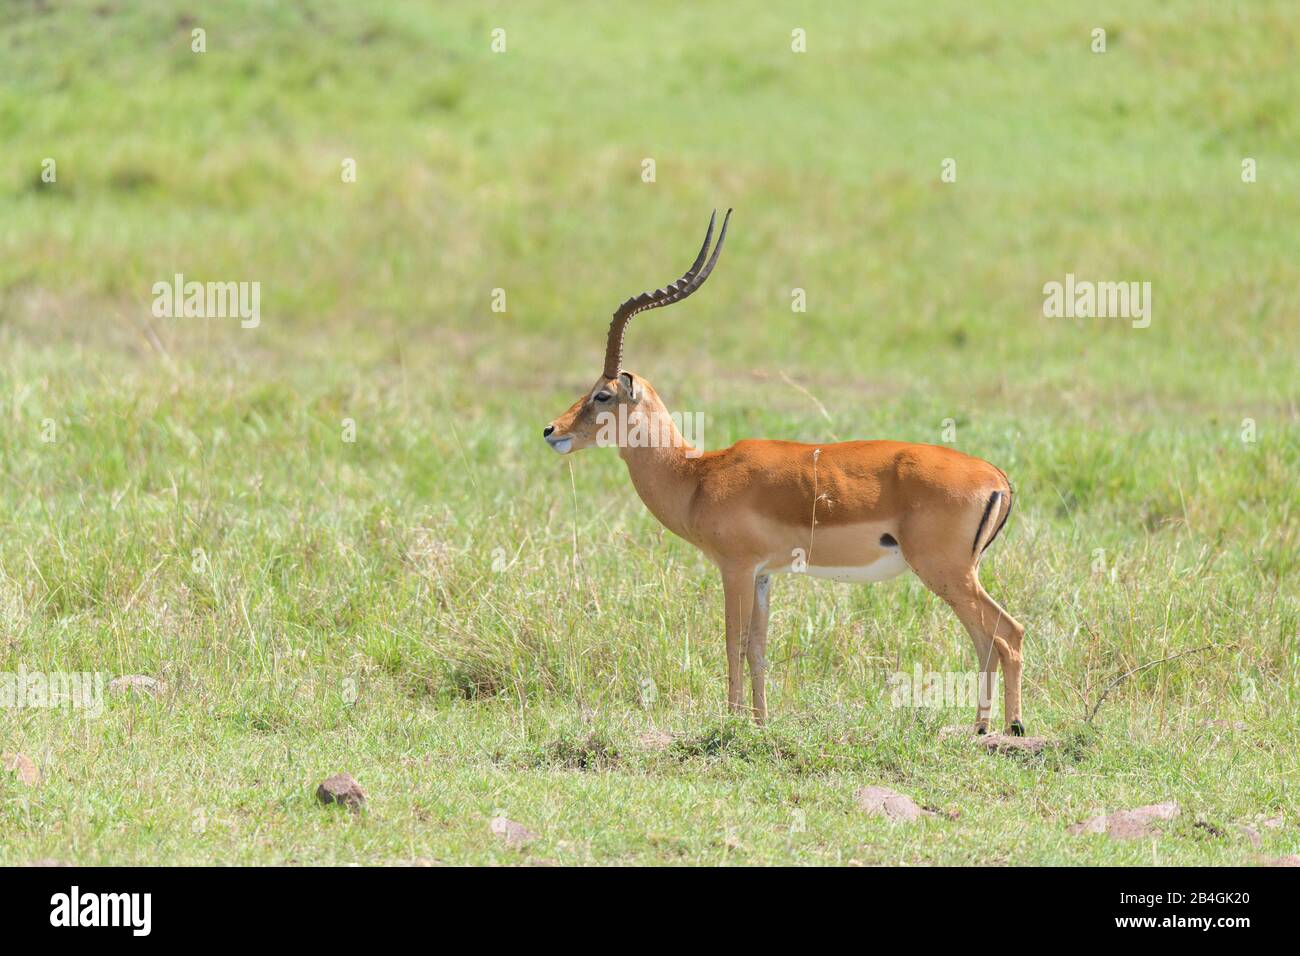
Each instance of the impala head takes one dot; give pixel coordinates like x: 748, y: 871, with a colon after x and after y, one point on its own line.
x: 579, y: 425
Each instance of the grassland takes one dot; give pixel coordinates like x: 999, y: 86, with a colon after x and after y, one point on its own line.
x: 467, y: 623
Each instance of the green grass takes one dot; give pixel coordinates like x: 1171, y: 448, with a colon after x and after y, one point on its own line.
x: 467, y: 623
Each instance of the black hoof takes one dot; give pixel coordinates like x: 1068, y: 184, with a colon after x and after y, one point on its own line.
x: 1017, y: 729
x: 981, y: 730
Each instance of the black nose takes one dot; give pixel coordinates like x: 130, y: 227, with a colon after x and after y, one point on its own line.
x: 547, y: 431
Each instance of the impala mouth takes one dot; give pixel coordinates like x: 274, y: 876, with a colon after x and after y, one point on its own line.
x: 561, y: 445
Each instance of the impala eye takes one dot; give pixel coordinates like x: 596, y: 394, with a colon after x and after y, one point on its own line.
x: 603, y: 397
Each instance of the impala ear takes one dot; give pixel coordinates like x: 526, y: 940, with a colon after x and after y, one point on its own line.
x: 631, y: 388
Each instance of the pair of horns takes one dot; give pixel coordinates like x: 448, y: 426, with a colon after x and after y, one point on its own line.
x: 686, y: 285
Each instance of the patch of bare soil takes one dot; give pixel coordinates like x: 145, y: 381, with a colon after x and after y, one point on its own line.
x: 656, y: 739
x: 1006, y: 744
x: 890, y: 804
x: 1128, y: 824
x: 22, y: 767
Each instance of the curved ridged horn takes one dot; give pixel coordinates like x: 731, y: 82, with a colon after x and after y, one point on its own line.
x: 687, y: 284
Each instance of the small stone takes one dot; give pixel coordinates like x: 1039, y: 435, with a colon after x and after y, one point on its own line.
x: 1127, y: 824
x: 894, y: 806
x: 343, y: 790
x: 21, y: 766
x: 136, y: 682
x: 514, y: 834
x: 1009, y: 743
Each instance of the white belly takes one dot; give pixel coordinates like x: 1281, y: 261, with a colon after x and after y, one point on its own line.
x: 882, y: 569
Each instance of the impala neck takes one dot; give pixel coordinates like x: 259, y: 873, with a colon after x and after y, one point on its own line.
x: 662, y: 473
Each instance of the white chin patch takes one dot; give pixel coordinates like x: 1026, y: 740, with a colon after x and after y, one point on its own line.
x: 563, y: 446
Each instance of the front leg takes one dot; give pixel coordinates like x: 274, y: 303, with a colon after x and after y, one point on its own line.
x: 738, y: 595
x: 757, y: 649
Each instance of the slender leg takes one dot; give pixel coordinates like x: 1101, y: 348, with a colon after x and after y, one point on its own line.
x: 938, y: 549
x: 997, y: 637
x: 1007, y: 637
x: 738, y: 592
x: 995, y: 634
x: 756, y: 650
x: 987, y: 678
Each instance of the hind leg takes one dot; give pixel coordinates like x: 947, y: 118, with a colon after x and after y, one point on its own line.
x: 1000, y: 646
x: 986, y: 679
x: 996, y: 635
x: 1007, y: 636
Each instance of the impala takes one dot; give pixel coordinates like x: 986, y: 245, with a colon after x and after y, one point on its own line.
x: 857, y: 511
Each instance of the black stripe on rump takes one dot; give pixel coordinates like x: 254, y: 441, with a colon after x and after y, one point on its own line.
x: 1011, y: 500
x: 984, y: 520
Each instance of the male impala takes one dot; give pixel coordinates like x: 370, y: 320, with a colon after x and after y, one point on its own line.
x: 851, y: 511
